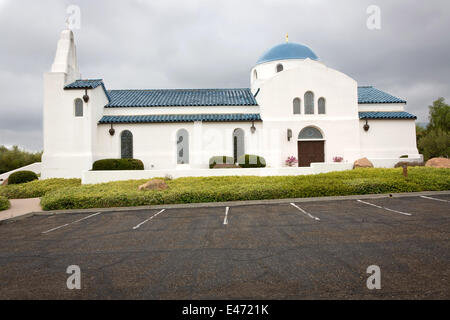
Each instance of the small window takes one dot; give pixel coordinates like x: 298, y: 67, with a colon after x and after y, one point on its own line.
x: 309, y: 102
x: 279, y: 67
x: 238, y: 144
x: 78, y: 108
x: 296, y: 104
x: 182, y: 147
x: 126, y: 144
x: 255, y: 75
x: 321, y: 105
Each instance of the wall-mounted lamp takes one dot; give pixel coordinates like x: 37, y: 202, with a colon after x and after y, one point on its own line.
x: 289, y: 134
x: 85, y: 97
x: 366, y: 126
x: 112, y: 131
x: 253, y: 128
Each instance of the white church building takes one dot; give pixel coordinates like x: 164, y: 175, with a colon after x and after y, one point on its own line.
x: 295, y: 106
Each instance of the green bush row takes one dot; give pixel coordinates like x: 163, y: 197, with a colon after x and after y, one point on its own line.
x: 220, y: 160
x: 251, y: 161
x: 19, y: 177
x: 4, y: 203
x: 118, y: 164
x: 230, y: 188
x: 37, y: 188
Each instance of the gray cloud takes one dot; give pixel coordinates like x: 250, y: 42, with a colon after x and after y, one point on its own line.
x: 194, y: 44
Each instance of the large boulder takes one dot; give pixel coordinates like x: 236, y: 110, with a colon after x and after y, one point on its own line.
x: 438, y: 163
x: 362, y: 163
x: 155, y: 184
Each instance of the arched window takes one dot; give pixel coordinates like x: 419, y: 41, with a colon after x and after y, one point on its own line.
x: 309, y: 102
x: 238, y: 144
x: 126, y: 145
x: 279, y: 67
x: 78, y: 107
x: 182, y: 147
x: 310, y: 133
x: 255, y: 75
x: 321, y: 105
x: 296, y: 104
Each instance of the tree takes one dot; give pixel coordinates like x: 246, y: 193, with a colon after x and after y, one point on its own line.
x: 14, y: 158
x: 434, y: 141
x: 439, y: 115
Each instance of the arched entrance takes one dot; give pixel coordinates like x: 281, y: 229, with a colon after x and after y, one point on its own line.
x: 311, y: 147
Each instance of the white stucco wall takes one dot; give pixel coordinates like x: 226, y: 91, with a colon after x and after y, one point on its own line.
x: 155, y: 144
x: 382, y: 107
x: 339, y: 125
x: 69, y: 141
x: 388, y: 139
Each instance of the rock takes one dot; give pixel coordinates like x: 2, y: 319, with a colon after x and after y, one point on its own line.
x: 4, y: 183
x: 438, y: 163
x: 225, y: 166
x: 155, y: 184
x: 362, y: 163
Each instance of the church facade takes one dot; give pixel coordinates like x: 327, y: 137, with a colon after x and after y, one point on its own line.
x: 295, y: 106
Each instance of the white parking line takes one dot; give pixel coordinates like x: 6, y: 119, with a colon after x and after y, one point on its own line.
x: 225, y: 221
x: 303, y: 211
x: 436, y: 199
x: 64, y: 225
x: 67, y: 224
x: 380, y: 207
x: 145, y: 221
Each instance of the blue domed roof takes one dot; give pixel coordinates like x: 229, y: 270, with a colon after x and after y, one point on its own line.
x: 287, y: 50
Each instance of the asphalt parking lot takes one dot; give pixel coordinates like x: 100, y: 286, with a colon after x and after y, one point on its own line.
x: 303, y: 250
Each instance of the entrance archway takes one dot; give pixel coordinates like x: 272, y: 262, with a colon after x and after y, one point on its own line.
x: 311, y: 147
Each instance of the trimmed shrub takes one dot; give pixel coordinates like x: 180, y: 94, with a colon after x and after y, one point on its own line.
x: 235, y: 188
x: 4, y: 203
x: 22, y: 177
x: 36, y: 188
x: 404, y: 156
x: 220, y: 160
x: 117, y: 164
x: 251, y: 161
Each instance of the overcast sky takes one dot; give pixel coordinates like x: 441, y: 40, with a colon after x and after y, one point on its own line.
x: 214, y: 44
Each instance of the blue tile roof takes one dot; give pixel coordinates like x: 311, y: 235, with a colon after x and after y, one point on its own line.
x: 88, y: 84
x: 386, y: 115
x: 181, y: 118
x: 181, y: 97
x: 373, y: 95
x: 84, y: 84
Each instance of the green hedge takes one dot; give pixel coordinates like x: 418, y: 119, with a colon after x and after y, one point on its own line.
x: 230, y: 188
x: 19, y: 177
x: 37, y: 188
x: 117, y: 164
x: 4, y: 203
x: 220, y: 160
x: 251, y: 161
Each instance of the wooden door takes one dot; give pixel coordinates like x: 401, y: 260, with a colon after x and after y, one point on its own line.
x: 310, y: 151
